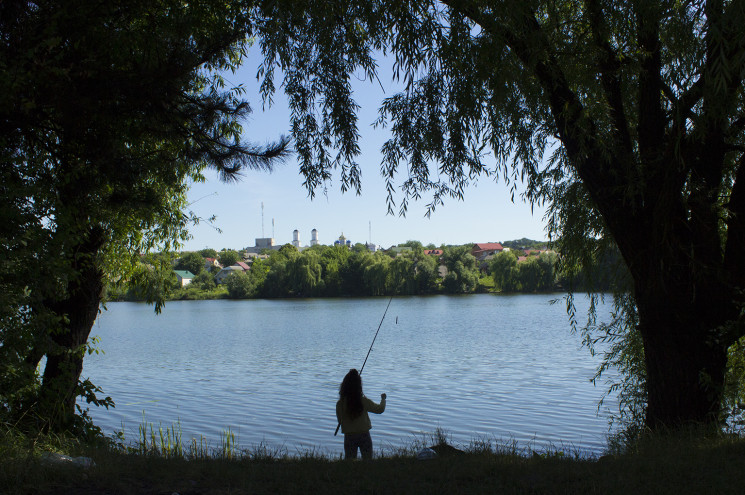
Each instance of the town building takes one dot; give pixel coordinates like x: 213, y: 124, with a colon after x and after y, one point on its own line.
x: 211, y: 264
x: 264, y: 243
x: 481, y: 251
x: 343, y: 241
x: 227, y: 271
x: 184, y: 277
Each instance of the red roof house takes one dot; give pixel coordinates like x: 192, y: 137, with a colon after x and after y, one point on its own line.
x: 484, y: 249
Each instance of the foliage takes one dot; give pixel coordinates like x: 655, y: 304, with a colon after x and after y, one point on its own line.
x: 462, y: 276
x: 332, y: 261
x: 624, y: 358
x: 228, y: 257
x: 192, y: 262
x: 416, y: 245
x: 503, y: 269
x: 427, y: 276
x: 305, y: 274
x: 533, y: 274
x: 205, y: 280
x: 548, y: 263
x: 208, y: 253
x: 525, y: 244
x: 106, y: 115
x: 530, y: 275
x: 240, y: 286
x: 733, y: 408
x: 402, y: 272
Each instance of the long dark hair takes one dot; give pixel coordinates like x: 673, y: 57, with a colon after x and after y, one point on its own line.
x: 350, y: 392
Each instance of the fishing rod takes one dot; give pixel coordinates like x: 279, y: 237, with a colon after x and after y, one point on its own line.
x: 370, y: 349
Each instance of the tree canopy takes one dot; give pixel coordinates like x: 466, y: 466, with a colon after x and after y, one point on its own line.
x: 625, y: 117
x: 228, y: 257
x: 192, y: 262
x: 107, y: 112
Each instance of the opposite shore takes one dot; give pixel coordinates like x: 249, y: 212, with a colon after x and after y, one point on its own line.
x: 354, y: 270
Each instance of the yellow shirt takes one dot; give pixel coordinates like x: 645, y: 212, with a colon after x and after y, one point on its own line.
x: 361, y: 423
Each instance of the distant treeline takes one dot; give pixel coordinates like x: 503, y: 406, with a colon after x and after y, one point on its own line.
x: 329, y: 271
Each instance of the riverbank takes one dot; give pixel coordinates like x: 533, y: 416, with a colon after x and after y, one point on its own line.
x: 679, y: 464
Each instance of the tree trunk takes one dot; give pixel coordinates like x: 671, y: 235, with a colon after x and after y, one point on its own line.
x: 59, y: 389
x: 685, y: 376
x: 685, y: 353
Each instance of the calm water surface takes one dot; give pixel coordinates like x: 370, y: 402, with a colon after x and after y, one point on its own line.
x: 481, y: 367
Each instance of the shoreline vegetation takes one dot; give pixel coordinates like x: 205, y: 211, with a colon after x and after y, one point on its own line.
x: 520, y: 266
x: 683, y: 462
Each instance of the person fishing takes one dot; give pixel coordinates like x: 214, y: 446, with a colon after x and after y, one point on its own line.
x: 351, y: 411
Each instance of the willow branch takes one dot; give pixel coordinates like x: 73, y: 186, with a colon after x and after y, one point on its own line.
x: 609, y: 75
x: 734, y: 261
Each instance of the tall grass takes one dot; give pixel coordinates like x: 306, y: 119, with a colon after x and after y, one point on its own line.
x: 159, y: 462
x: 167, y: 442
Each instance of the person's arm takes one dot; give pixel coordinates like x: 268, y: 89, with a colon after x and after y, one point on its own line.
x: 372, y: 407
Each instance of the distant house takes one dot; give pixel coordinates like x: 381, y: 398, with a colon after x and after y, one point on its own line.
x: 227, y: 271
x: 244, y: 266
x: 433, y: 252
x: 211, y: 263
x: 184, y: 277
x: 482, y: 250
x: 250, y: 257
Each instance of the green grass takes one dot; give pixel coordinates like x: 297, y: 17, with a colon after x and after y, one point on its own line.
x: 197, y: 294
x: 487, y: 282
x: 664, y: 464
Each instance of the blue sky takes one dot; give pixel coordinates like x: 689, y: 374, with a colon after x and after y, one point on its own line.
x: 485, y: 215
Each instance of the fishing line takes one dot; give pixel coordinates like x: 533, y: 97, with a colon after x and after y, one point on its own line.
x: 370, y: 349
x: 376, y: 335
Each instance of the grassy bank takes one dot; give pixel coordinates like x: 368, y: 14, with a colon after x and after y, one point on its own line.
x: 668, y: 464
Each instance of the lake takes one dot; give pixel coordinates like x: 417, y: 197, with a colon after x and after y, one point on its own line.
x: 500, y: 368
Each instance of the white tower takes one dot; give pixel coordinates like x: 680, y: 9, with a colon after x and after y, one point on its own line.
x: 296, y: 238
x: 314, y: 237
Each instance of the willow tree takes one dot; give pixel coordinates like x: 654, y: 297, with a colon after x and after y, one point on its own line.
x: 626, y: 117
x: 107, y: 111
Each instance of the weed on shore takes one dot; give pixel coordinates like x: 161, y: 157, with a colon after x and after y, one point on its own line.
x: 662, y: 464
